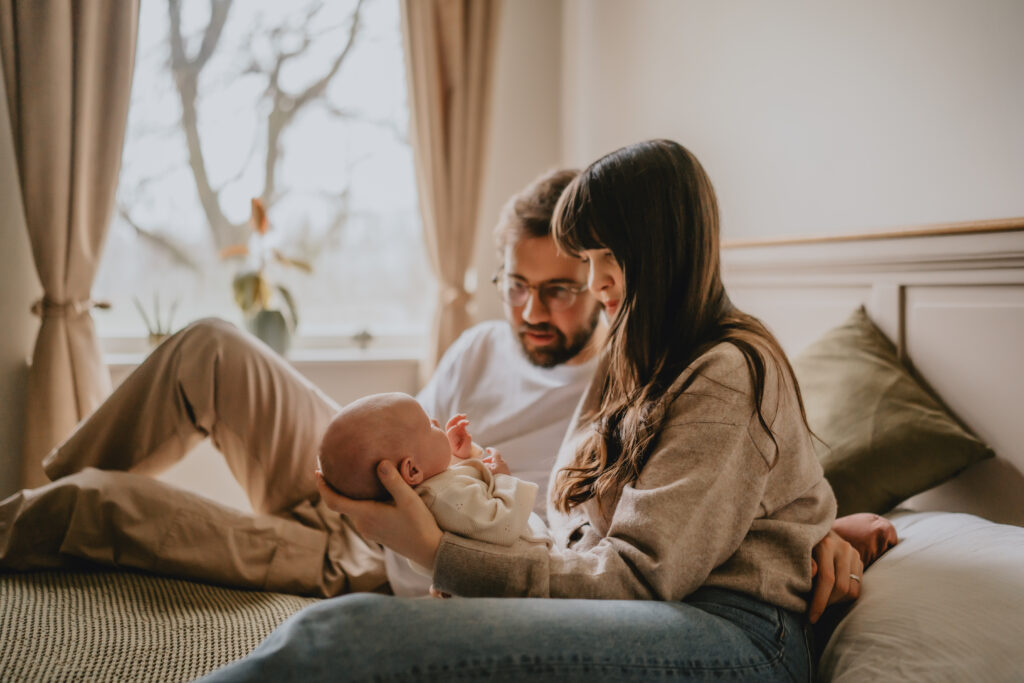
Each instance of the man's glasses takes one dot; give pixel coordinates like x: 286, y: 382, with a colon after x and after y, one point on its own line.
x: 556, y: 296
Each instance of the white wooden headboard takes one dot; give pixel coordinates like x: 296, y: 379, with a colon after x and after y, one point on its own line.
x: 952, y: 299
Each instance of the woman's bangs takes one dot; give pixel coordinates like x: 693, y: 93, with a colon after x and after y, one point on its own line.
x: 574, y: 226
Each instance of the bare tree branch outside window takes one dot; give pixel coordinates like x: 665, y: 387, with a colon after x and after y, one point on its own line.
x: 300, y: 105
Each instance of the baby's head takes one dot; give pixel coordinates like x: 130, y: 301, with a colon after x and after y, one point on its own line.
x: 381, y: 427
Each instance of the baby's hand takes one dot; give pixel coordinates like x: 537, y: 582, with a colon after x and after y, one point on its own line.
x: 494, y: 462
x: 457, y: 430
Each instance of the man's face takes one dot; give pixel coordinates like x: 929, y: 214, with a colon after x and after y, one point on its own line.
x: 550, y: 337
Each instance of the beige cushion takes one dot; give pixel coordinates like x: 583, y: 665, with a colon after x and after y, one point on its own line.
x: 885, y: 436
x: 128, y: 626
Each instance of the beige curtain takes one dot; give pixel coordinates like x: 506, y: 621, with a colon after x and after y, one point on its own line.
x: 67, y: 65
x: 449, y: 48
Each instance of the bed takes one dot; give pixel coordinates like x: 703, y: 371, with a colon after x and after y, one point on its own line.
x: 909, y: 347
x: 923, y: 328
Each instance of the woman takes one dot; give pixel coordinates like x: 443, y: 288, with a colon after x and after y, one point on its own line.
x: 686, y: 494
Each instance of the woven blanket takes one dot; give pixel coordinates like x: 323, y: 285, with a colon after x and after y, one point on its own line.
x: 124, y: 626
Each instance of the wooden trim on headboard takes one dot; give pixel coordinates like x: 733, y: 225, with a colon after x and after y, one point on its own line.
x: 982, y: 245
x: 962, y: 228
x: 950, y: 297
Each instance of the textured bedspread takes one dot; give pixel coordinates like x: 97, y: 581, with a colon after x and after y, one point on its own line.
x: 123, y: 626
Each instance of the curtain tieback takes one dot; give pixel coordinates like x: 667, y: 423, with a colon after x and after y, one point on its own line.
x: 49, y: 308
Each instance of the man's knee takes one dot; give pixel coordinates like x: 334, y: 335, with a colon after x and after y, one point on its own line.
x: 214, y: 336
x: 210, y: 329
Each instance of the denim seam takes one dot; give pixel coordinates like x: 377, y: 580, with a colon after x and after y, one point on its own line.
x: 561, y: 665
x: 780, y: 640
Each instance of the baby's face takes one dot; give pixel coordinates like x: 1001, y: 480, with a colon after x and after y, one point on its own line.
x: 431, y: 452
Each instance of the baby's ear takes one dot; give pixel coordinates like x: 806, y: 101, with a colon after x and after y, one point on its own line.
x: 412, y: 474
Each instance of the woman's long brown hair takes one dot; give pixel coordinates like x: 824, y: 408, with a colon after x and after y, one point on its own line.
x: 654, y: 207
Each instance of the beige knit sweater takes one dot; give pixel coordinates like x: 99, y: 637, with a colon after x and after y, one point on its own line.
x: 717, y: 504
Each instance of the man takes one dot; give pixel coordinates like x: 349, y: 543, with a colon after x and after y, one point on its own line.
x: 519, y: 381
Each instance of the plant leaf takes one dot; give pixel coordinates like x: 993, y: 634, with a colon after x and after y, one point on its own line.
x: 290, y: 302
x: 295, y: 263
x: 232, y: 251
x: 142, y: 312
x: 259, y: 217
x: 263, y: 291
x: 245, y: 287
x: 170, y: 317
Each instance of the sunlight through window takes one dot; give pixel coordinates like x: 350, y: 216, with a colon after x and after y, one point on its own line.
x: 301, y: 105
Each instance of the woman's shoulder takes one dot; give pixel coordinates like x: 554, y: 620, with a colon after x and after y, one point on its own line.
x: 720, y: 381
x: 722, y: 365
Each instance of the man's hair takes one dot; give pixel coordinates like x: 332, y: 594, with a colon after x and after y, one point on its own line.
x: 528, y: 213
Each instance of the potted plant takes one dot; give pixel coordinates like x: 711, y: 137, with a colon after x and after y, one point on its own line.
x: 157, y: 327
x: 269, y: 310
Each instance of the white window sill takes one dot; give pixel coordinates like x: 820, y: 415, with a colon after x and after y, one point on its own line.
x: 296, y: 357
x: 344, y: 374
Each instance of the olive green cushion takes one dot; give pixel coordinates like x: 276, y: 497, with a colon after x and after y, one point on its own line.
x: 885, y: 437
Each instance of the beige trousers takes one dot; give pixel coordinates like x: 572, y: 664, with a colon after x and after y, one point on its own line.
x: 103, y: 506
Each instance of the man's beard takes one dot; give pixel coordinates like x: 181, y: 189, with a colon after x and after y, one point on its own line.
x: 563, y: 349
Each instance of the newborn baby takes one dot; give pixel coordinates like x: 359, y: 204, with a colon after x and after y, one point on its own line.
x: 468, y: 495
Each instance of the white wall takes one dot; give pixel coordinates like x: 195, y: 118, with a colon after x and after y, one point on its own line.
x: 525, y: 137
x: 811, y: 117
x: 19, y: 287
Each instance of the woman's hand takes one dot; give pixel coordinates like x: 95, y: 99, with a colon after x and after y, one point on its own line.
x: 834, y: 566
x: 403, y: 524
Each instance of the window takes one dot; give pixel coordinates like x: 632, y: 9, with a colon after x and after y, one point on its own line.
x: 280, y: 100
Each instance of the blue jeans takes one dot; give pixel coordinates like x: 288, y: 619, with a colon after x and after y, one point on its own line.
x: 713, y: 635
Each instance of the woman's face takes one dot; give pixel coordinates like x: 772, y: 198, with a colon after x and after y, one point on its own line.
x: 605, y: 279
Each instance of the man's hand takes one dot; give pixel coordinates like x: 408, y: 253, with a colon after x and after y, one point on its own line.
x: 457, y: 431
x: 870, y: 534
x: 837, y: 570
x: 494, y: 462
x: 403, y: 524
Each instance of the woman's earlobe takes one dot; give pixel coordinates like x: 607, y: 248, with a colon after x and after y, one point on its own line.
x: 412, y: 474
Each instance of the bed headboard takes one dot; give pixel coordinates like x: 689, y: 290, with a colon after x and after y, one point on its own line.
x: 952, y: 299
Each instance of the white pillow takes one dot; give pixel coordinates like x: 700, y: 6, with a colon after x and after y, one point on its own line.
x: 945, y: 604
